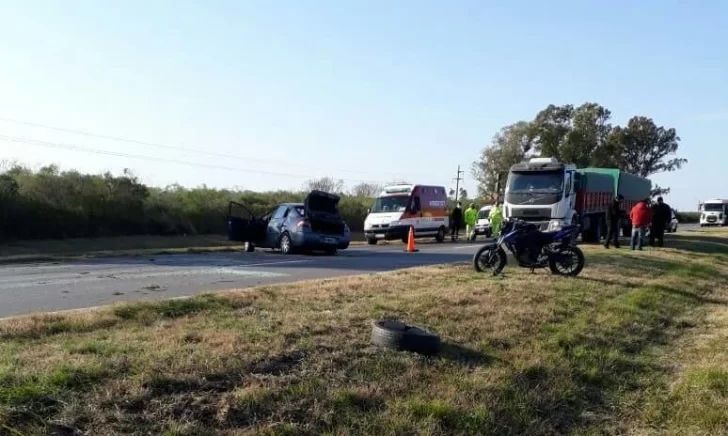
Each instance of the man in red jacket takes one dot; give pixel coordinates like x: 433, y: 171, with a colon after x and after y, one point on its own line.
x: 641, y: 216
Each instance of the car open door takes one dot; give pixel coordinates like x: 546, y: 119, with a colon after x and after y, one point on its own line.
x: 243, y: 225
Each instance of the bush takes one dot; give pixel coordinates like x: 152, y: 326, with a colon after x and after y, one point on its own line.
x: 688, y: 217
x: 48, y: 203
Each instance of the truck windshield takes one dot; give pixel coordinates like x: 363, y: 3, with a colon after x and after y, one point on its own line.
x: 713, y: 207
x: 390, y: 204
x: 547, y: 181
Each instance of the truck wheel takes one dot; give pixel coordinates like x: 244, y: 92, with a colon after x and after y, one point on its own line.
x: 372, y: 241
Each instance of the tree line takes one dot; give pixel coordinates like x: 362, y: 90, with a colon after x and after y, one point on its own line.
x: 583, y: 135
x: 50, y: 203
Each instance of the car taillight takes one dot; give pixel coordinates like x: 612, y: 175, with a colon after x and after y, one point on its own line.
x: 303, y: 225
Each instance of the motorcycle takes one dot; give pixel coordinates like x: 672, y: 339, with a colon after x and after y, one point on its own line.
x: 532, y: 249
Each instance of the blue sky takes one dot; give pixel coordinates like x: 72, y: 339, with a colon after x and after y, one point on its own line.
x: 362, y: 91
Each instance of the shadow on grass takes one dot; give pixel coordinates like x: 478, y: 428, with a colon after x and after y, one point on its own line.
x: 697, y: 243
x: 465, y: 356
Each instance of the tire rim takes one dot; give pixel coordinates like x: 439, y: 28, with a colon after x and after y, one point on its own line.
x: 568, y: 262
x: 487, y: 260
x: 285, y: 244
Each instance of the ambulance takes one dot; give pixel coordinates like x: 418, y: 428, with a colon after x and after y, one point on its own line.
x: 399, y: 207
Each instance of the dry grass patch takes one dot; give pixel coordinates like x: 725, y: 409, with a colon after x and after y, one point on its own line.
x: 524, y: 354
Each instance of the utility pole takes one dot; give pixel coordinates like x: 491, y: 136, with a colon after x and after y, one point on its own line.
x: 457, y: 184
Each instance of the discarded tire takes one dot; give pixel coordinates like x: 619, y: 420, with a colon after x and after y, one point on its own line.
x: 397, y: 335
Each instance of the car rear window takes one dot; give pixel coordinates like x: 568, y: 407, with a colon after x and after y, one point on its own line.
x: 322, y: 205
x: 300, y: 211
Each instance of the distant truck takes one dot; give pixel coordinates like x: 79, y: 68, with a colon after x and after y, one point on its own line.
x: 713, y: 212
x: 551, y: 195
x: 399, y: 207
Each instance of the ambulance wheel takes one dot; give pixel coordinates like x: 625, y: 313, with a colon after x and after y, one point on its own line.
x: 440, y: 235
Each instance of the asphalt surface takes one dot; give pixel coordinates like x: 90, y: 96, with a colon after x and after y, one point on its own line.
x: 47, y: 287
x: 42, y: 287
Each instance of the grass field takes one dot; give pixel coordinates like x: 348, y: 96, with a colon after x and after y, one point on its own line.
x: 636, y: 345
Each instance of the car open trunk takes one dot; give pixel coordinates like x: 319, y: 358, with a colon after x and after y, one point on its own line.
x: 243, y: 226
x: 322, y: 210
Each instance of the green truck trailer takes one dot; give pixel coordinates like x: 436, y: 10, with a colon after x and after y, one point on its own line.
x: 598, y: 187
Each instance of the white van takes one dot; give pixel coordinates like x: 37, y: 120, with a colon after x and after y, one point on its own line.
x: 482, y: 226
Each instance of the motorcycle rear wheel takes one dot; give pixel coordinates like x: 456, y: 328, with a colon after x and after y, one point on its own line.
x: 489, y: 257
x: 567, y: 261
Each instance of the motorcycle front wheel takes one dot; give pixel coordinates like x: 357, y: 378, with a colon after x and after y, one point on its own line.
x: 567, y: 261
x: 490, y: 257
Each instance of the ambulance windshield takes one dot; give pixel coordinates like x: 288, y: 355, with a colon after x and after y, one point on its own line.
x: 395, y: 203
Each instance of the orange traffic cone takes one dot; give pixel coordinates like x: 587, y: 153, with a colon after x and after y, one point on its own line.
x: 411, y: 241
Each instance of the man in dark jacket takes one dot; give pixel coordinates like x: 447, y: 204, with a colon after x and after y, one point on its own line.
x: 661, y: 216
x: 456, y: 220
x: 614, y: 215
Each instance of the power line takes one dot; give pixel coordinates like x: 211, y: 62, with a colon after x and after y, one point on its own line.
x: 156, y: 159
x: 189, y: 150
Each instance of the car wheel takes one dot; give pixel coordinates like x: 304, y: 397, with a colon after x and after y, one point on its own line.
x: 372, y: 241
x: 396, y: 335
x: 331, y: 251
x: 285, y: 244
x: 249, y: 247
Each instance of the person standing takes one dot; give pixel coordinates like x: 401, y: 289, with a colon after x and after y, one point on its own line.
x: 456, y: 220
x: 471, y: 217
x: 496, y: 218
x: 661, y: 215
x: 641, y: 217
x: 614, y: 215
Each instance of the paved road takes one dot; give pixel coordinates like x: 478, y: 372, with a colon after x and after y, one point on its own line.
x: 38, y: 287
x: 70, y: 285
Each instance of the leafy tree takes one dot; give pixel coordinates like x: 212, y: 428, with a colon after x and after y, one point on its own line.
x: 462, y: 194
x: 327, y: 184
x: 369, y: 190
x: 583, y: 136
x: 642, y: 148
x: 576, y: 135
x: 8, y: 187
x: 508, y: 147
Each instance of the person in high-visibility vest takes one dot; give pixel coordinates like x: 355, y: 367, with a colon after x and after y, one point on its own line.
x: 471, y: 217
x: 496, y: 218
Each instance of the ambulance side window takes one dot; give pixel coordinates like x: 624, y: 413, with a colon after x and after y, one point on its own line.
x: 416, y: 206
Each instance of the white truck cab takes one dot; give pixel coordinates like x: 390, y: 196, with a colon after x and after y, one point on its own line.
x: 713, y: 212
x: 541, y: 191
